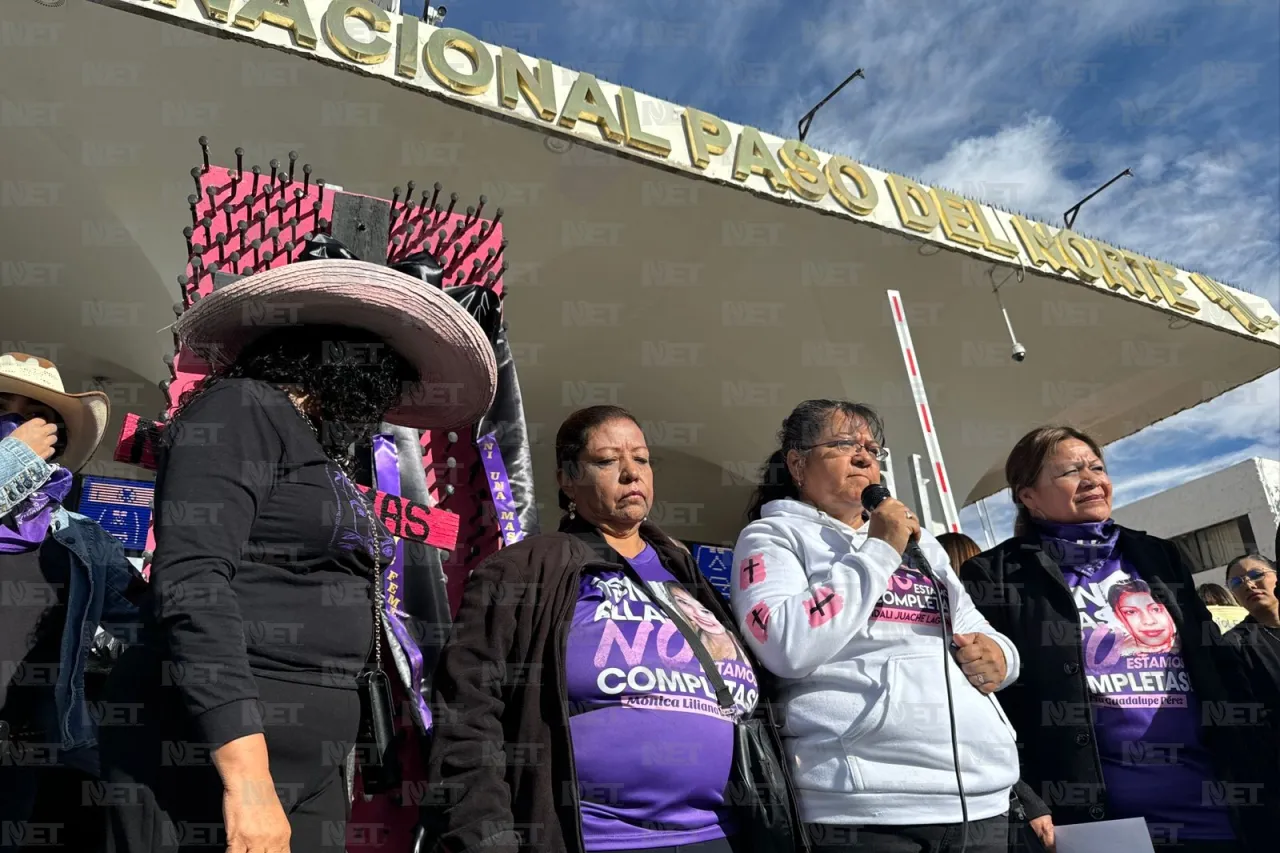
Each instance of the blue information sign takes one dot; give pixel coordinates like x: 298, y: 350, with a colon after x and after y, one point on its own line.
x: 716, y: 563
x: 122, y: 507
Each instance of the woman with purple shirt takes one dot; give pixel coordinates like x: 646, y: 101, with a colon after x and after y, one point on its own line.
x: 569, y: 668
x: 1131, y: 704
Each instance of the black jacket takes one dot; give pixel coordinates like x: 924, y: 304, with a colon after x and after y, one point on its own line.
x: 500, y: 761
x: 1022, y: 592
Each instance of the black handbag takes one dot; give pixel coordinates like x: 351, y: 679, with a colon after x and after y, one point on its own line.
x: 1022, y: 838
x: 377, y: 746
x: 759, y: 790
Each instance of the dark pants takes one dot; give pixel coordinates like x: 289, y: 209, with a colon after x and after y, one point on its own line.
x: 166, y: 795
x: 1184, y: 846
x: 719, y: 845
x: 44, y: 805
x: 985, y: 836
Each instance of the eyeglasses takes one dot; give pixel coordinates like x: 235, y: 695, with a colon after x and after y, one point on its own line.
x: 845, y: 447
x: 1254, y: 575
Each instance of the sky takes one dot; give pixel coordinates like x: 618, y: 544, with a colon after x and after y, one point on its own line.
x: 1029, y: 106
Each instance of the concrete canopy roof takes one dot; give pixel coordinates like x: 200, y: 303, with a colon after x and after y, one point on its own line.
x: 708, y: 305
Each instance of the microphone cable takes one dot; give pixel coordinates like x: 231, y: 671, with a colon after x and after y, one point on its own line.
x: 872, y: 496
x: 948, y: 645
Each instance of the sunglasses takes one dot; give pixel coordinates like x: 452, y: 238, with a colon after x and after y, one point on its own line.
x: 1254, y: 575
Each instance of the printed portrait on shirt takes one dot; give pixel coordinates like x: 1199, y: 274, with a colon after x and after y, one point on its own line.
x: 718, y: 642
x: 1145, y: 623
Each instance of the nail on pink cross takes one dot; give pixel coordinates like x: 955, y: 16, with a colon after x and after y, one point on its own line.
x: 751, y: 571
x: 758, y: 622
x: 825, y: 605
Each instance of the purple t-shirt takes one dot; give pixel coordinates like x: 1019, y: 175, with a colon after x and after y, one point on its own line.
x: 652, y: 746
x: 1145, y: 712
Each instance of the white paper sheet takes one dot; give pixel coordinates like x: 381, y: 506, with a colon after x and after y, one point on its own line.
x: 1108, y: 836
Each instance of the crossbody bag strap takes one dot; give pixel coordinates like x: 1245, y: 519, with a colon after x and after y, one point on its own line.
x: 723, y: 695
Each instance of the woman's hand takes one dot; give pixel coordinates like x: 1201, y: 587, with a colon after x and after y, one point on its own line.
x: 251, y: 810
x: 39, y: 435
x: 982, y: 660
x: 893, y: 523
x: 255, y: 820
x: 1043, y: 828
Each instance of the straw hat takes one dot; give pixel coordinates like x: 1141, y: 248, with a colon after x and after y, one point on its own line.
x: 85, y: 415
x: 423, y: 324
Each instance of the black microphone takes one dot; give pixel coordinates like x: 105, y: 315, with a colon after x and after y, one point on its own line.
x: 876, y: 494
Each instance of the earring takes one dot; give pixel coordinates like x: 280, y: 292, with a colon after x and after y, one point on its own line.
x: 573, y: 510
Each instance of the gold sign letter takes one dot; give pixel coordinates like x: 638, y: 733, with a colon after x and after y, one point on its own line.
x: 334, y: 25
x: 999, y: 245
x: 1166, y: 279
x: 1220, y: 296
x: 1138, y: 266
x: 862, y: 197
x: 1115, y: 271
x: 634, y: 134
x: 216, y: 10
x: 474, y: 82
x: 915, y: 208
x: 291, y: 15
x: 803, y: 173
x: 957, y: 224
x: 1043, y: 248
x: 1083, y: 254
x: 753, y: 157
x: 407, y: 47
x: 538, y: 87
x: 707, y: 136
x: 586, y: 102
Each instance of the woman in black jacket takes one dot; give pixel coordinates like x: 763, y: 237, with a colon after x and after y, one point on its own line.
x: 574, y: 712
x: 267, y: 588
x: 1130, y: 704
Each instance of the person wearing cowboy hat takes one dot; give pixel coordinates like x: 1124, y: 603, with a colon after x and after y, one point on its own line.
x: 68, y: 575
x: 261, y: 630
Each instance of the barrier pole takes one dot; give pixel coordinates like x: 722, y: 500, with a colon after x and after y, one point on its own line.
x: 949, y: 511
x: 987, y: 530
x: 921, y: 486
x: 886, y: 471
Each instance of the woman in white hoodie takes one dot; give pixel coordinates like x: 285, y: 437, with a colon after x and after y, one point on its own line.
x: 855, y: 639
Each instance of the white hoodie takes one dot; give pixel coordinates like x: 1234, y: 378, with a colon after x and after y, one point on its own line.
x: 860, y: 668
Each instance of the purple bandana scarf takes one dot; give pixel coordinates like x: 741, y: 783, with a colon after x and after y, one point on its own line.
x: 27, y: 525
x: 387, y: 479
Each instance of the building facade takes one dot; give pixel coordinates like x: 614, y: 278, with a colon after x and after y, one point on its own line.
x: 1217, y: 517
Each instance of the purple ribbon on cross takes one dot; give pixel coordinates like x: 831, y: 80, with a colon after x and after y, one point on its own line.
x: 387, y: 479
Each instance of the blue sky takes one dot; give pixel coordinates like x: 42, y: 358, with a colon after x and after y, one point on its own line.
x: 1025, y: 105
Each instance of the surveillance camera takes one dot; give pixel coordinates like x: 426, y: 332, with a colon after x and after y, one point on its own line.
x: 1019, y: 353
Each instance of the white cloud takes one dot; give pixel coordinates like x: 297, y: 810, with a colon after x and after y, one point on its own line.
x: 1131, y: 488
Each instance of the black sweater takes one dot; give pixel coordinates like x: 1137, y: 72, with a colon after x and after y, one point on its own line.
x: 263, y: 560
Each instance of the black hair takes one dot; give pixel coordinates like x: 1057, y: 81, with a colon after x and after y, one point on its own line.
x: 1213, y: 594
x: 1136, y: 585
x: 1270, y: 564
x: 799, y: 431
x: 351, y: 374
x: 575, y: 433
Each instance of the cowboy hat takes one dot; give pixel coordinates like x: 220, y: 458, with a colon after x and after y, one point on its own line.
x: 85, y: 415
x: 453, y: 357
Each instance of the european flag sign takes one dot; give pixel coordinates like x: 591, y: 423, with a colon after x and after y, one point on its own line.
x: 716, y: 563
x: 122, y: 507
